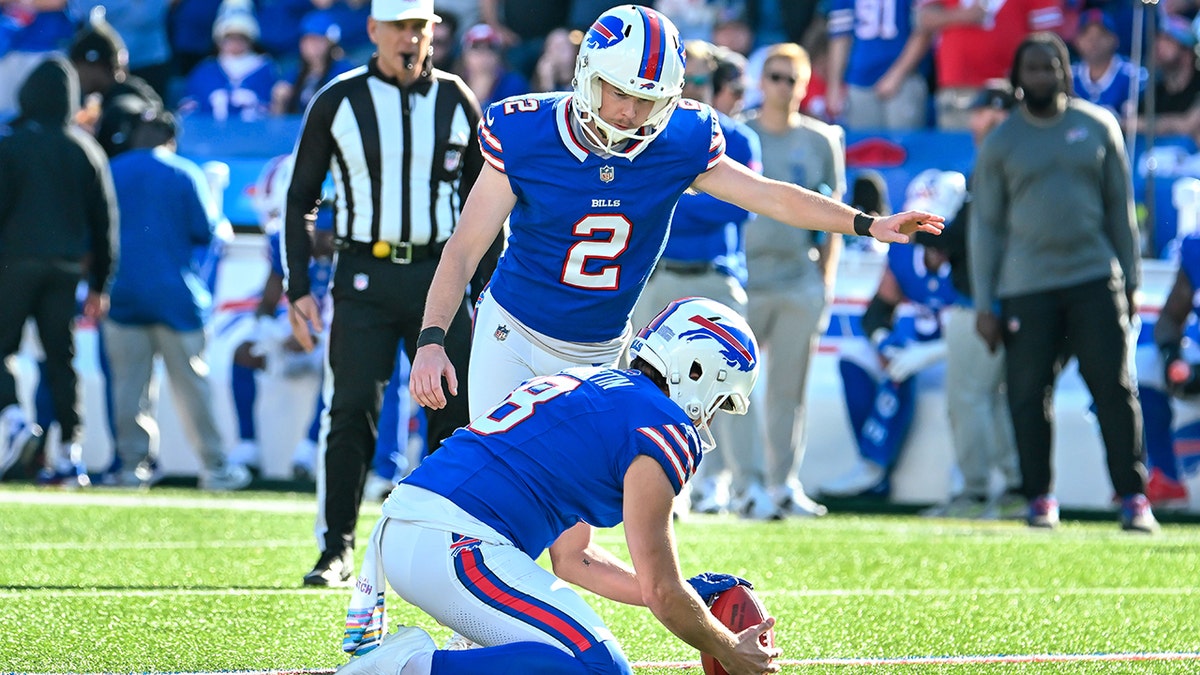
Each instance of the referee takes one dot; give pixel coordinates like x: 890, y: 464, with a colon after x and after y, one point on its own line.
x: 398, y: 137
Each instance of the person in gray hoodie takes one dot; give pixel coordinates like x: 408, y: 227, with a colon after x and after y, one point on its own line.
x: 57, y: 219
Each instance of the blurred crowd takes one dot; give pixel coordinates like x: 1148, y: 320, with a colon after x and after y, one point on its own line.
x: 899, y: 64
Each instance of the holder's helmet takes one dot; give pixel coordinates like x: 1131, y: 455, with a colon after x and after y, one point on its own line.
x: 707, y: 354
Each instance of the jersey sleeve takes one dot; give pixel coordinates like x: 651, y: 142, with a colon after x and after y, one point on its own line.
x: 1045, y: 15
x: 275, y: 254
x: 674, y: 446
x: 716, y: 146
x: 1189, y: 258
x: 841, y: 18
x: 490, y: 128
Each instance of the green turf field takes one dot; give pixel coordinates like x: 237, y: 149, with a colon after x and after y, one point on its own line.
x: 175, y: 580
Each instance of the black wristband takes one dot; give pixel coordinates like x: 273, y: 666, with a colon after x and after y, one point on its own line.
x: 431, y: 336
x: 862, y: 224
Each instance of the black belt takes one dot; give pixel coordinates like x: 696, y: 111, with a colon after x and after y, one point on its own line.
x: 687, y: 268
x: 401, y: 254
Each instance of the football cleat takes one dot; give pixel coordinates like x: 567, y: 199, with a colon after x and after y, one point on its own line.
x: 865, y: 477
x: 756, y: 503
x: 390, y: 657
x: 1165, y: 492
x: 1043, y: 512
x: 226, y: 479
x: 19, y: 440
x: 1136, y: 516
x: 792, y: 501
x: 333, y: 568
x: 458, y: 642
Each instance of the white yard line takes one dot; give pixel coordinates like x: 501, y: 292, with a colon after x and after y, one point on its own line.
x: 102, y: 497
x: 1127, y: 657
x: 815, y: 593
x: 158, y: 545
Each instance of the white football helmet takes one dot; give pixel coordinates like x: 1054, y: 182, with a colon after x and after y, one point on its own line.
x: 638, y: 51
x: 708, y: 355
x: 270, y: 191
x: 939, y: 192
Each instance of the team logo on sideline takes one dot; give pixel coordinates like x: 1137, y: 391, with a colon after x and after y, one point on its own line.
x: 607, y: 174
x: 606, y: 32
x: 361, y: 281
x: 501, y: 333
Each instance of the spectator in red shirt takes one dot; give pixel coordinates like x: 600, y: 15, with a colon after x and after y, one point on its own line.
x: 976, y: 41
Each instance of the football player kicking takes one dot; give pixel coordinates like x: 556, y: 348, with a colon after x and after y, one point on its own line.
x: 586, y: 447
x: 587, y: 181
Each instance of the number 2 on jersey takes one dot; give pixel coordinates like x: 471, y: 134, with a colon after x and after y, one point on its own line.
x: 607, y: 278
x: 521, y: 404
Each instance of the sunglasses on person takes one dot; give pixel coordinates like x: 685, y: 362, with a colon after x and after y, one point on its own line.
x: 702, y: 80
x: 782, y: 77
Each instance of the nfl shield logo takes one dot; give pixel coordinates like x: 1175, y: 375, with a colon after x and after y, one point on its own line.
x: 607, y: 174
x: 501, y: 333
x: 360, y: 282
x: 453, y: 159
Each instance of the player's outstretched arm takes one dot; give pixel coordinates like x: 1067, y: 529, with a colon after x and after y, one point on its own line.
x: 805, y: 209
x: 483, y: 215
x: 651, y: 538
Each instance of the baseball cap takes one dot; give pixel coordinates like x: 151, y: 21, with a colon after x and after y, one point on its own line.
x: 1178, y: 29
x: 481, y: 33
x: 402, y: 10
x: 997, y: 95
x: 321, y: 23
x: 236, y: 22
x: 1097, y: 16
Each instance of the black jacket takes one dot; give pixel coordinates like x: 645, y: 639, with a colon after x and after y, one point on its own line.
x: 56, y: 194
x: 125, y: 104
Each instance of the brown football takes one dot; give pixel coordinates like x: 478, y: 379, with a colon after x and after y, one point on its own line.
x: 738, y: 609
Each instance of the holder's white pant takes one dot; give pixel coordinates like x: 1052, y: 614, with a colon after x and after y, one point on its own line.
x: 492, y: 593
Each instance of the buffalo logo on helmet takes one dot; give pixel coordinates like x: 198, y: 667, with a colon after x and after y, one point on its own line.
x: 736, y: 347
x: 606, y: 32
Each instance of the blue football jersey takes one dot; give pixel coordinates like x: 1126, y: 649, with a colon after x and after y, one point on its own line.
x: 1111, y: 90
x: 1189, y: 264
x: 586, y: 231
x: 880, y: 29
x: 320, y: 270
x: 555, y: 453
x: 929, y: 290
x: 707, y: 229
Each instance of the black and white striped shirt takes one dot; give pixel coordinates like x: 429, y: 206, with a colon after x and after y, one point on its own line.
x: 402, y: 159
